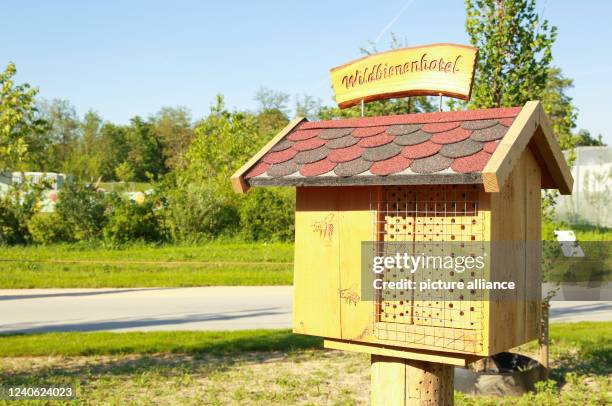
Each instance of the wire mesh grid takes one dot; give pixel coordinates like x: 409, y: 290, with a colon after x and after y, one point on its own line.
x: 429, y: 221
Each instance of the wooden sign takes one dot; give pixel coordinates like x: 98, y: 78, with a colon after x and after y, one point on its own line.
x: 428, y: 70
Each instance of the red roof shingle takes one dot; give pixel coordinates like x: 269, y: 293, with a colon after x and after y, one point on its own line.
x: 390, y: 149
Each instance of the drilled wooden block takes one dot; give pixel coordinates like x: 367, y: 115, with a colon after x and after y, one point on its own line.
x: 448, y: 319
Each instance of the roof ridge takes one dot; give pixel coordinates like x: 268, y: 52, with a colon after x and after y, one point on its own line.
x: 416, y: 118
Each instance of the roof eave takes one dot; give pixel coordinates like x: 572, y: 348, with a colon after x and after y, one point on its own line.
x: 365, y: 180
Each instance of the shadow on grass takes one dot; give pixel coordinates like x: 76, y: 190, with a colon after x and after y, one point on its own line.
x: 210, y: 356
x: 166, y: 354
x: 267, y: 341
x: 186, y: 342
x: 583, y: 348
x: 588, y: 360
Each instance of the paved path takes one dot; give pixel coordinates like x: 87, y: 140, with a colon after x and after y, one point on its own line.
x: 212, y: 308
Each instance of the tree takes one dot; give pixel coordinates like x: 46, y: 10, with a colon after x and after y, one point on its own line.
x: 224, y: 141
x: 63, y: 132
x: 145, y: 154
x: 173, y: 129
x: 273, y: 112
x: 272, y: 100
x: 514, y: 52
x: 514, y: 63
x: 559, y: 108
x: 124, y: 172
x: 201, y: 202
x: 22, y: 132
x: 585, y: 139
x: 307, y: 106
x: 85, y: 157
x: 418, y: 104
x: 87, y: 162
x: 113, y: 149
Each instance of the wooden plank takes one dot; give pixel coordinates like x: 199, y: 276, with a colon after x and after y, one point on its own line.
x: 507, y: 226
x: 533, y: 258
x: 238, y: 182
x: 357, y: 222
x: 509, y: 150
x: 388, y: 381
x: 399, y: 352
x: 316, y: 279
x: 515, y: 223
x: 484, y: 209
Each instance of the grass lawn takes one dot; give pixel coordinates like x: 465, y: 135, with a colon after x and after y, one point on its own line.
x: 265, y: 367
x: 80, y: 266
x: 212, y: 264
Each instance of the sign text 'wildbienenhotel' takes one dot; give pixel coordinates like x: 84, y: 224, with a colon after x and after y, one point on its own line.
x: 445, y: 69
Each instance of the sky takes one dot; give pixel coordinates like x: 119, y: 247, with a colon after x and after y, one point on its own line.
x: 127, y: 58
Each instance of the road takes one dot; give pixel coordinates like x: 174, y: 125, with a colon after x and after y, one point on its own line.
x: 210, y: 308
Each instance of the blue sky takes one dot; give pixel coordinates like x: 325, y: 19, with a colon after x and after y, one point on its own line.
x: 133, y: 57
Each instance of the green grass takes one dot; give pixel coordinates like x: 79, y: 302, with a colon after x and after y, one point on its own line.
x: 591, y: 338
x: 221, y: 263
x: 585, y: 232
x: 81, y: 266
x: 210, y: 252
x: 188, y: 342
x: 86, y: 275
x: 264, y: 367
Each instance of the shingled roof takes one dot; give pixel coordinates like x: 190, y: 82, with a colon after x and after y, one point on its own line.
x: 429, y: 148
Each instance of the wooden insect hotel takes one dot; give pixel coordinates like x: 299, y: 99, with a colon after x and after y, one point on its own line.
x: 444, y: 176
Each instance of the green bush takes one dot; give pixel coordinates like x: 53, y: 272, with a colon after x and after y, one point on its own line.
x: 131, y: 221
x: 48, y: 228
x: 17, y: 207
x: 199, y: 212
x: 12, y: 229
x: 82, y: 209
x: 268, y: 214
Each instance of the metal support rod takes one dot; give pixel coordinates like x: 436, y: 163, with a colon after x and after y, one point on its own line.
x: 543, y: 341
x: 362, y: 108
x: 440, y: 105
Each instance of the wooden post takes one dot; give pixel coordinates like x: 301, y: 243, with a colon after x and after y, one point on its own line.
x: 399, y: 382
